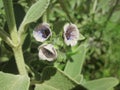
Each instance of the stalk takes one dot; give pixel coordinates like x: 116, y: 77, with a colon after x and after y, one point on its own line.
x: 8, y: 6
x: 18, y: 53
x: 6, y: 38
x: 17, y: 49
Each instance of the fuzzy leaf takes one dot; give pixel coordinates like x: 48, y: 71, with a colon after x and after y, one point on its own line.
x: 101, y: 84
x: 13, y: 82
x: 34, y: 13
x: 54, y: 79
x: 74, y: 67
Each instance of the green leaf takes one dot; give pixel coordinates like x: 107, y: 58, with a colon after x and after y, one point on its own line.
x: 115, y: 17
x: 79, y: 78
x: 74, y: 66
x: 1, y: 4
x: 13, y: 82
x: 81, y: 37
x: 54, y: 79
x: 44, y: 87
x: 101, y: 84
x: 35, y: 12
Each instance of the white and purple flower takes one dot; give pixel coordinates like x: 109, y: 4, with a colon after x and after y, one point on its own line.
x: 42, y: 32
x: 71, y: 34
x: 47, y: 52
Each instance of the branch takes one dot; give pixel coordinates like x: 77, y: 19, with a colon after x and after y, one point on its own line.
x: 5, y: 37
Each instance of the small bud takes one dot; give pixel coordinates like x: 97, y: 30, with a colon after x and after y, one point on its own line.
x: 42, y: 32
x: 47, y: 52
x: 71, y: 34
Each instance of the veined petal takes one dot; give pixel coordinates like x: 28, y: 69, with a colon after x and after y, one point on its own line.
x: 47, y: 52
x: 42, y: 32
x: 71, y: 34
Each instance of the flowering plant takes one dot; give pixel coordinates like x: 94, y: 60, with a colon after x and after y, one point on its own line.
x: 47, y: 56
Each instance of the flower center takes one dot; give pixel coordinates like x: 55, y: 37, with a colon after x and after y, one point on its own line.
x: 47, y: 53
x: 70, y: 33
x: 45, y: 32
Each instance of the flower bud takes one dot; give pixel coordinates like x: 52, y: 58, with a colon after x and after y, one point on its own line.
x: 47, y: 52
x: 42, y: 32
x: 71, y: 34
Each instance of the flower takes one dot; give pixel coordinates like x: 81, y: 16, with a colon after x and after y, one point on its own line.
x: 71, y: 34
x: 47, y: 52
x: 42, y: 32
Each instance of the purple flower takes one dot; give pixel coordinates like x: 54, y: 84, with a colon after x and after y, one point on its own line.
x: 42, y: 32
x: 71, y: 34
x: 47, y: 52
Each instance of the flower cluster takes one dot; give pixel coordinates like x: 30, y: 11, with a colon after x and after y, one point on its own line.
x: 47, y: 51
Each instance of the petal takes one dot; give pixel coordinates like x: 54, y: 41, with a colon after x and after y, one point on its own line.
x: 42, y: 32
x: 38, y: 36
x: 71, y: 34
x: 71, y: 42
x: 47, y: 52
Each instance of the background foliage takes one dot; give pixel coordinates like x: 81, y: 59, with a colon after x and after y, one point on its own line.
x: 97, y: 20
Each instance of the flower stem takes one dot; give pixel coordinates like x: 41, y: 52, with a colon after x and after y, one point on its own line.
x: 45, y: 17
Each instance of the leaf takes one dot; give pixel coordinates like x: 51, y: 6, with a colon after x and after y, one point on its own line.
x: 79, y: 78
x: 81, y: 37
x: 54, y: 79
x: 44, y: 87
x: 101, y: 84
x: 1, y: 4
x: 115, y: 17
x: 73, y: 68
x: 35, y: 11
x: 13, y: 82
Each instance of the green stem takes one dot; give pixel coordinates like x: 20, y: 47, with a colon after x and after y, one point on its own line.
x: 8, y: 5
x: 6, y: 38
x: 45, y: 17
x: 20, y: 60
x: 94, y: 6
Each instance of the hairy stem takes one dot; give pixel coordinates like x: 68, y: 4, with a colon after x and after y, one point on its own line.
x: 45, y: 17
x: 20, y: 60
x: 8, y: 5
x: 5, y: 37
